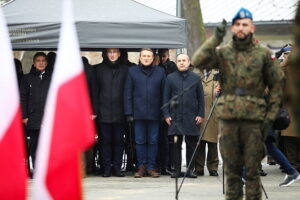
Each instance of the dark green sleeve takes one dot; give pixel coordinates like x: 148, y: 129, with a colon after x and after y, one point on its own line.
x: 273, y: 77
x: 206, y: 55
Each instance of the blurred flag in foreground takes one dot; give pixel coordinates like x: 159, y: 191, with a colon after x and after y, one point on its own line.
x: 12, y: 140
x: 67, y: 129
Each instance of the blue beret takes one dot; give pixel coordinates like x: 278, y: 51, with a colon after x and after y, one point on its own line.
x: 242, y: 14
x: 287, y: 49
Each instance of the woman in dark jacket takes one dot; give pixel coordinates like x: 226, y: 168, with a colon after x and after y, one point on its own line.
x: 110, y: 80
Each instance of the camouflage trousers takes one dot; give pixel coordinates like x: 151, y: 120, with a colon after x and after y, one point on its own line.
x: 241, y: 146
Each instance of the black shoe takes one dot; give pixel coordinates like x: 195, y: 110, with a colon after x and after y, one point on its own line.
x: 213, y: 173
x: 200, y: 173
x: 107, y: 172
x: 118, y: 173
x: 191, y: 175
x: 262, y: 173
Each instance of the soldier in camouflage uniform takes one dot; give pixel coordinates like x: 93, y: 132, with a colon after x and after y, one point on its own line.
x: 246, y: 69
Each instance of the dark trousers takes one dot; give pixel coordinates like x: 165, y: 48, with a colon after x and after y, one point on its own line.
x: 112, y: 144
x: 89, y: 158
x: 34, y: 138
x: 278, y: 156
x: 163, y: 157
x: 212, y: 160
x: 292, y: 150
x: 191, y: 143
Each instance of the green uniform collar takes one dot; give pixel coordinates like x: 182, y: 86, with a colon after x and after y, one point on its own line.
x: 243, y: 45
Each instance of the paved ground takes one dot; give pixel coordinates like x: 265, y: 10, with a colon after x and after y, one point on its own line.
x: 206, y: 188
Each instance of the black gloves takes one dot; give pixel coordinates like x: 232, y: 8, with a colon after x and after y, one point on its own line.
x: 220, y: 31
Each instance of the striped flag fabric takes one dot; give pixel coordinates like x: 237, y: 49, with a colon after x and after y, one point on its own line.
x: 67, y: 129
x: 13, y: 174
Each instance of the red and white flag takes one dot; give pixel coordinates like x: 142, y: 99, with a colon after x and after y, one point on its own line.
x: 13, y: 172
x: 67, y: 129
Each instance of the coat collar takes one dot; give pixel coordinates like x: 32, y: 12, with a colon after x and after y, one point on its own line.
x: 183, y: 75
x: 146, y: 70
x: 36, y: 72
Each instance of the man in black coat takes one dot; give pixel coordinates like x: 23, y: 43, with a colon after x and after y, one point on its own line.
x: 165, y: 61
x: 183, y: 119
x: 164, y: 142
x: 110, y: 81
x: 34, y: 88
x: 90, y: 153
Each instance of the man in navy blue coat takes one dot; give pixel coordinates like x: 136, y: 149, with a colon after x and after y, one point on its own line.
x: 183, y: 119
x: 142, y: 102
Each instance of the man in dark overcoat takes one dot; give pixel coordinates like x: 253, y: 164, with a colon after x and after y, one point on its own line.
x: 110, y: 79
x: 184, y: 119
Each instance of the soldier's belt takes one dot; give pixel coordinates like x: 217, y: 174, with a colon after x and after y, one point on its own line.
x: 243, y: 92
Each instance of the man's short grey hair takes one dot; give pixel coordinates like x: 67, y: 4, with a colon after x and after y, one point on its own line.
x: 182, y: 54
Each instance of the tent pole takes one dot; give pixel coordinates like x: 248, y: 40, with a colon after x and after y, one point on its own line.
x: 178, y: 14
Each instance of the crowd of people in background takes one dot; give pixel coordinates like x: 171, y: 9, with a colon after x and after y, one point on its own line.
x: 142, y: 114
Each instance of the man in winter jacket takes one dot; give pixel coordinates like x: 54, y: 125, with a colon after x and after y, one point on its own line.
x: 142, y: 100
x: 110, y: 79
x: 183, y: 119
x: 34, y: 88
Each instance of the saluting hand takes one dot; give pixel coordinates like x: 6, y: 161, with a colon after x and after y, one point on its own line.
x: 220, y: 31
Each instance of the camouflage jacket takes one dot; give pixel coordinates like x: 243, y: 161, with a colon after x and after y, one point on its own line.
x: 246, y: 70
